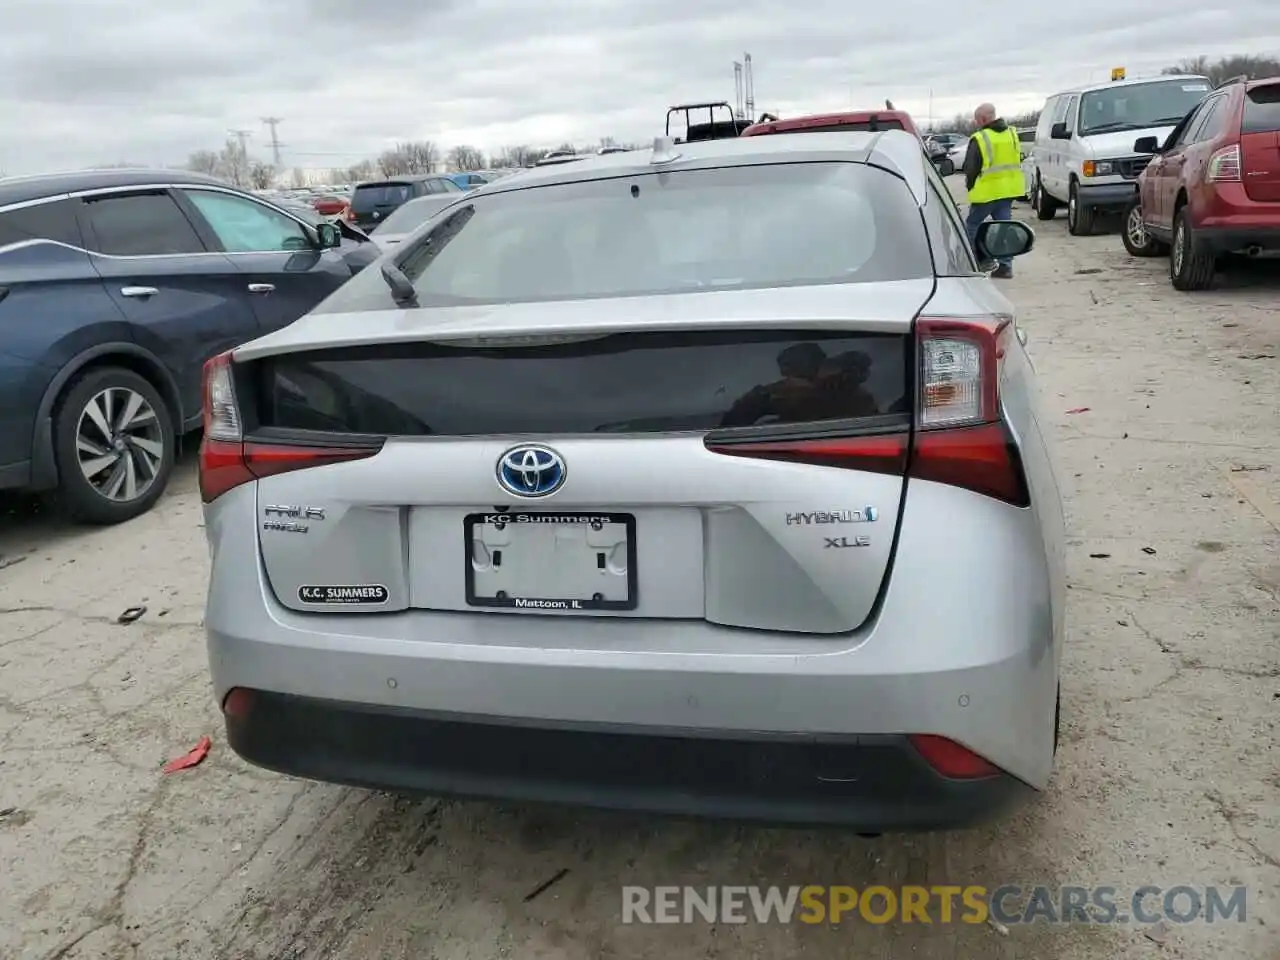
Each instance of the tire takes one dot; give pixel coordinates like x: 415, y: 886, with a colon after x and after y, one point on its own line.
x: 1045, y: 206
x: 1137, y: 240
x: 1191, y: 265
x: 1080, y: 220
x: 143, y: 449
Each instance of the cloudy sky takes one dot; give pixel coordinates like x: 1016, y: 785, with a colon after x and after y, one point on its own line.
x: 86, y: 82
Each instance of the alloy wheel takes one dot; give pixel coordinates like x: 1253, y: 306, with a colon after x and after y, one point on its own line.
x: 119, y: 444
x: 1136, y: 229
x: 1072, y: 212
x: 1179, y: 248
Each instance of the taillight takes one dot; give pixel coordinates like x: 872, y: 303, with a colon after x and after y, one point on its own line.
x: 1224, y: 165
x: 950, y: 759
x: 227, y: 460
x: 959, y: 437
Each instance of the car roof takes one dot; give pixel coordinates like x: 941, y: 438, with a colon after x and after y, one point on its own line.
x: 896, y: 150
x: 44, y: 185
x: 1132, y: 82
x: 843, y: 116
x: 403, y: 178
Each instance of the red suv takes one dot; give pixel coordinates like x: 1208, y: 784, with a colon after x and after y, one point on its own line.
x: 1213, y: 187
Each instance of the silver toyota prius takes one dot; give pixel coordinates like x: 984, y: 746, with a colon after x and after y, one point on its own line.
x: 705, y: 480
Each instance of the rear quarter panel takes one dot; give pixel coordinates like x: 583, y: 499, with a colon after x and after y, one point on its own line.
x: 1020, y: 397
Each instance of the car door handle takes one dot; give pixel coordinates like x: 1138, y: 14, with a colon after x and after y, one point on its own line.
x: 261, y: 287
x: 138, y: 291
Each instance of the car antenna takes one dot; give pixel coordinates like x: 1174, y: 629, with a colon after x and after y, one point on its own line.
x: 401, y: 289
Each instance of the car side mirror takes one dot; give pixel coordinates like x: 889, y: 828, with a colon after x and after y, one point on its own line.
x: 998, y: 239
x: 328, y: 235
x: 1059, y: 132
x: 1146, y: 145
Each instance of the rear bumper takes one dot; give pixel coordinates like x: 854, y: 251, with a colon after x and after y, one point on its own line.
x: 1232, y: 239
x: 965, y: 645
x: 1106, y: 195
x: 873, y: 783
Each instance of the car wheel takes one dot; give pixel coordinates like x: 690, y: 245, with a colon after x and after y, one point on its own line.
x: 1191, y: 265
x: 1080, y: 219
x: 1137, y: 240
x: 1045, y: 206
x: 114, y: 446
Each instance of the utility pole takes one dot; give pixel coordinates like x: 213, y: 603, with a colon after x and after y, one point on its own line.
x: 737, y: 90
x: 242, y: 136
x: 272, y: 123
x: 749, y: 86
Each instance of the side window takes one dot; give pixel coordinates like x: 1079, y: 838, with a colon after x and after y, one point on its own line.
x: 244, y: 226
x: 42, y: 221
x: 447, y: 186
x: 1211, y: 120
x: 1183, y: 135
x: 1060, y: 110
x: 951, y: 252
x: 1069, y: 114
x: 140, y: 225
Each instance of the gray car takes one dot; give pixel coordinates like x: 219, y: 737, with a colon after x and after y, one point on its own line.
x: 705, y: 480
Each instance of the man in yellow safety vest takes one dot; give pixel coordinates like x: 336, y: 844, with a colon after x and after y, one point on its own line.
x: 993, y: 175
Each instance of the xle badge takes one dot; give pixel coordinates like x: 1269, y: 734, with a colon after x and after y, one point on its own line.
x: 361, y: 593
x: 840, y: 543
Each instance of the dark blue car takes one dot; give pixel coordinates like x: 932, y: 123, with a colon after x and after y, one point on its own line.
x: 115, y: 288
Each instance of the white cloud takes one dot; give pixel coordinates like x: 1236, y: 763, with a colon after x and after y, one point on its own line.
x: 91, y: 81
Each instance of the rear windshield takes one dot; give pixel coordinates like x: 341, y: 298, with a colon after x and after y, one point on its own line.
x: 622, y: 383
x: 370, y: 195
x: 731, y: 228
x: 1261, y: 110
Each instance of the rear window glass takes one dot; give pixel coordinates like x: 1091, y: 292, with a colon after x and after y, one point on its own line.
x: 730, y: 228
x: 1261, y: 110
x: 622, y: 383
x: 380, y: 194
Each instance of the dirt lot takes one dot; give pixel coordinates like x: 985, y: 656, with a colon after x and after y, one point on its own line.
x: 1169, y: 772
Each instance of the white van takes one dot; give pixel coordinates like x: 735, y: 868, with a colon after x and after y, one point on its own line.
x: 1083, y: 156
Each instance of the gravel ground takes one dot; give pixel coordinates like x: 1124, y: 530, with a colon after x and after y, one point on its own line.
x: 1168, y: 772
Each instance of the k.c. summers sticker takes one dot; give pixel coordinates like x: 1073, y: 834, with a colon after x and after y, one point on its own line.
x: 358, y: 593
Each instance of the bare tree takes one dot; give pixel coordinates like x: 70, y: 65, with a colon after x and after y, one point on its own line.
x: 204, y: 161
x: 566, y: 147
x: 364, y: 170
x: 607, y: 143
x: 299, y: 178
x: 233, y: 163
x: 418, y: 156
x: 261, y: 175
x: 464, y: 157
x: 1253, y: 67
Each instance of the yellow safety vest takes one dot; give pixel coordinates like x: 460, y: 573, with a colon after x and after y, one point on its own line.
x: 1001, y: 176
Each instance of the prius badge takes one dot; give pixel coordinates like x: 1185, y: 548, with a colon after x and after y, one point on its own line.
x: 531, y: 470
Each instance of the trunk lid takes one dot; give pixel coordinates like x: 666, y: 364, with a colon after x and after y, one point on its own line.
x: 1260, y: 143
x: 565, y: 472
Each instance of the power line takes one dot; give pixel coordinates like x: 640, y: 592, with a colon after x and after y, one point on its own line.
x: 272, y: 123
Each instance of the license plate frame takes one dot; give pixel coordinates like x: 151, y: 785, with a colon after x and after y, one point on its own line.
x: 553, y: 604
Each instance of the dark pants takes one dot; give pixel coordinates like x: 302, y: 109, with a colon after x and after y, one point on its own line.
x: 996, y: 210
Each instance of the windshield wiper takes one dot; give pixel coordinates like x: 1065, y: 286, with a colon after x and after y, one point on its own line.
x: 1114, y: 127
x: 1163, y: 120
